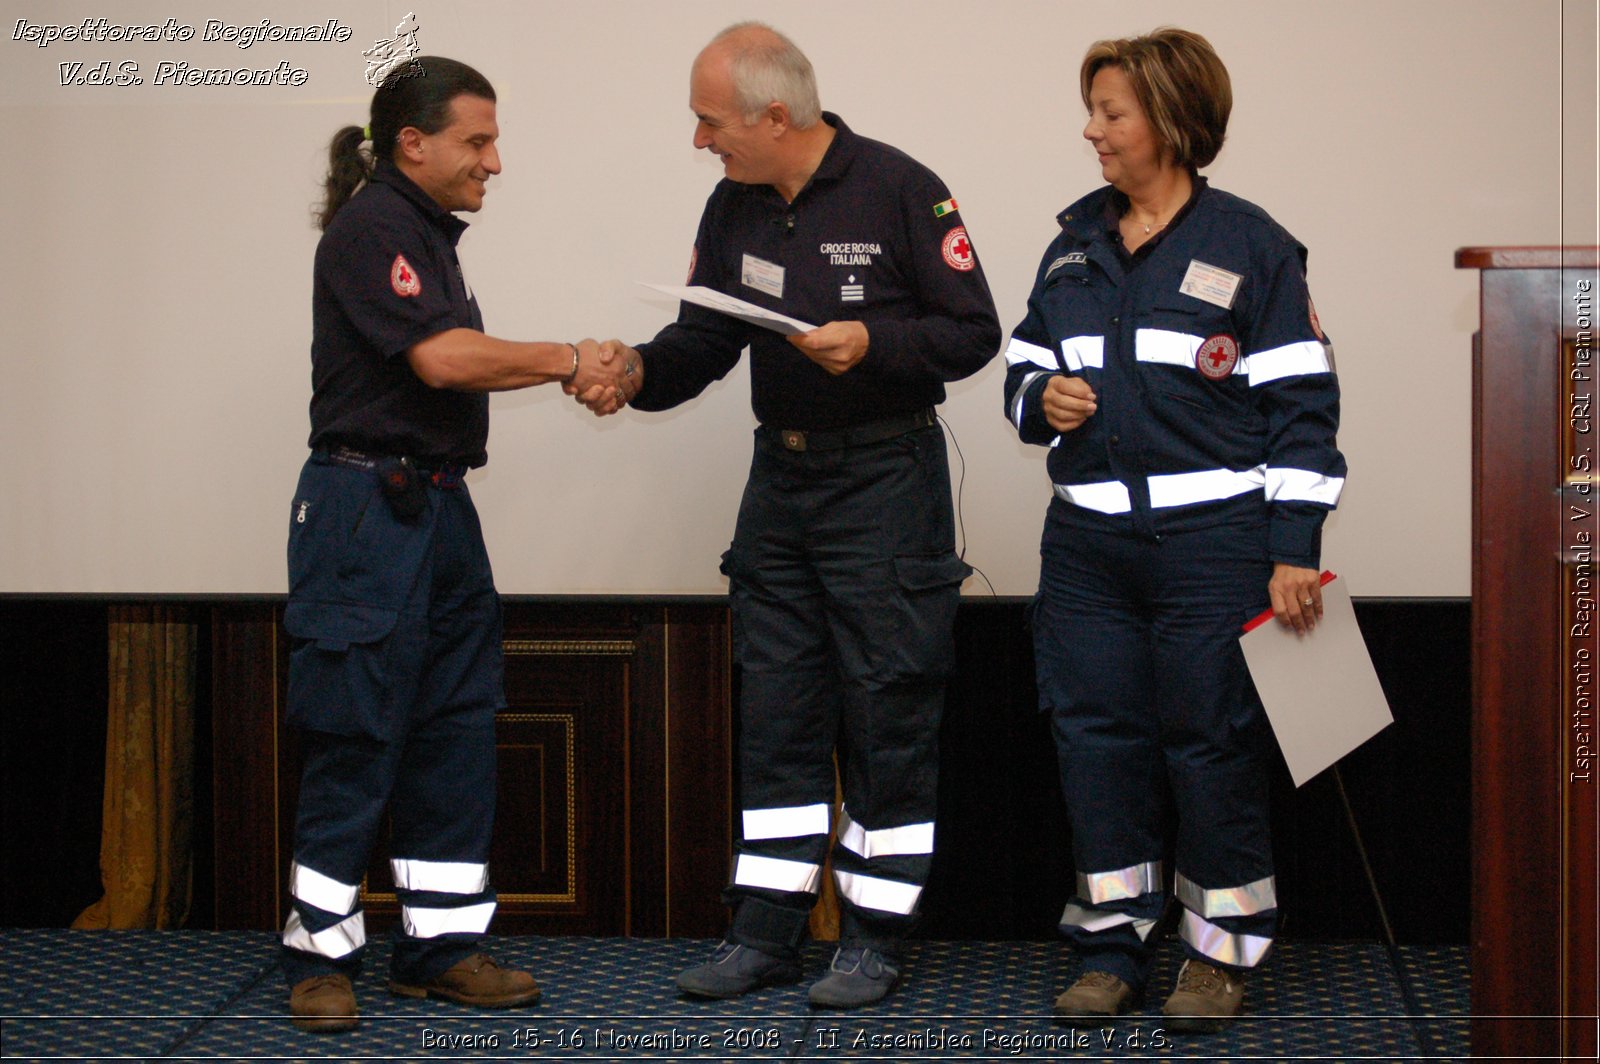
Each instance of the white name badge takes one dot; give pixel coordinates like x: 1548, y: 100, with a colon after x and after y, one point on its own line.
x: 762, y: 275
x: 1212, y: 284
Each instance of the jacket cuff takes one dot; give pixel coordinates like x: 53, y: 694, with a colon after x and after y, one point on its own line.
x: 1035, y: 428
x: 1296, y: 538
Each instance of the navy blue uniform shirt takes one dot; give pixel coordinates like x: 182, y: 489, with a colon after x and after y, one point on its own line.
x: 875, y: 237
x: 387, y: 278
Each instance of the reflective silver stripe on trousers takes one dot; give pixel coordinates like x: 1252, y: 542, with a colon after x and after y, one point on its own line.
x: 443, y: 877
x: 1207, y: 485
x: 885, y: 895
x: 1022, y: 393
x: 431, y: 923
x: 1075, y: 915
x: 1240, y: 951
x: 1302, y: 485
x: 772, y: 873
x: 1023, y: 351
x: 324, y: 892
x: 786, y: 822
x: 884, y: 842
x: 341, y: 939
x: 1130, y: 882
x: 1247, y: 900
x: 1290, y: 360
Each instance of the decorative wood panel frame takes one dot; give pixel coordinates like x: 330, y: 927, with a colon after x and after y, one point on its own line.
x: 613, y: 797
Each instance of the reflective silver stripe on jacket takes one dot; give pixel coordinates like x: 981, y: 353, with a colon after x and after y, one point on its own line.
x: 1107, y: 496
x: 1166, y: 489
x: 1022, y: 391
x: 1207, y: 485
x: 1023, y: 351
x: 1302, y: 485
x: 1083, y: 352
x: 1290, y: 360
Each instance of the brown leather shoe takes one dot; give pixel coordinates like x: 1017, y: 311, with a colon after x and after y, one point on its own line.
x: 323, y: 1003
x: 1206, y: 998
x: 477, y: 981
x: 1095, y: 996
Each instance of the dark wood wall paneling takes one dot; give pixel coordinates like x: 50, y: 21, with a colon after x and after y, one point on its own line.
x: 637, y: 696
x: 1003, y: 867
x: 609, y: 819
x: 53, y: 736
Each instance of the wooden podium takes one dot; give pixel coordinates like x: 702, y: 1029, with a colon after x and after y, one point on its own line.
x: 1535, y: 652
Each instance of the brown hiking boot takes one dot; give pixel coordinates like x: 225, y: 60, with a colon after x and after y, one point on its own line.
x: 476, y: 981
x: 1095, y: 996
x: 323, y: 1003
x: 1205, y: 999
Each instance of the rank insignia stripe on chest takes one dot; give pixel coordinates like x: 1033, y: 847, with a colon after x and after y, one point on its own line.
x: 1071, y: 258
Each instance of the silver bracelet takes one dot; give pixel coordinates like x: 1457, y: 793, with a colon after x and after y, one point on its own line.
x: 574, y: 374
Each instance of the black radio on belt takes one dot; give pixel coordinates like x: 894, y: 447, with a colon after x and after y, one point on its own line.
x: 403, y: 488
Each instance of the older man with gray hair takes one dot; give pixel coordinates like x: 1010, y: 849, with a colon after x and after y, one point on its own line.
x: 843, y: 575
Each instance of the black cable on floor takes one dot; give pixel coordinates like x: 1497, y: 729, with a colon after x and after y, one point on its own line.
x: 1408, y: 993
x: 226, y: 1009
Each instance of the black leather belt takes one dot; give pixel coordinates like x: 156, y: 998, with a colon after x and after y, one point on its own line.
x: 854, y: 436
x: 439, y: 474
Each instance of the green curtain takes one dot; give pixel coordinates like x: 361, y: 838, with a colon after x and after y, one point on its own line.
x: 145, y: 838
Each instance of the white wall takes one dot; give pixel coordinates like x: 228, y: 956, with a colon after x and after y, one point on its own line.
x: 156, y: 280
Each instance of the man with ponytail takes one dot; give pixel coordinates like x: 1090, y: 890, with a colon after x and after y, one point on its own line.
x: 395, y: 670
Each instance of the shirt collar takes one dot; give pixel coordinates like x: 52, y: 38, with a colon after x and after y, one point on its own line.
x: 1116, y: 205
x: 841, y: 152
x: 387, y: 173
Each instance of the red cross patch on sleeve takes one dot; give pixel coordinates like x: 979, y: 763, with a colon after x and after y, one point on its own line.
x: 403, y: 279
x: 958, y: 249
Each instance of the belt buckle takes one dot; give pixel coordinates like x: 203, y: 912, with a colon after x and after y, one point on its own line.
x: 793, y: 439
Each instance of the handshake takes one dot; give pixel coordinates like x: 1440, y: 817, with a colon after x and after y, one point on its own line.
x: 606, y: 377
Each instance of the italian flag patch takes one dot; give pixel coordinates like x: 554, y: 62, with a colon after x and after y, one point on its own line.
x: 947, y: 207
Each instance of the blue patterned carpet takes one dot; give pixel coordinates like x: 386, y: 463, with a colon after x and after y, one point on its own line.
x: 195, y: 995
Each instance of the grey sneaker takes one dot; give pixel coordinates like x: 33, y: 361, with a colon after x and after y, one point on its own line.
x: 734, y: 969
x: 1095, y: 996
x: 856, y: 977
x: 1205, y: 999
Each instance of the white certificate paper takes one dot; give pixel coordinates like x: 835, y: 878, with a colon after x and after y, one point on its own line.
x: 1320, y: 690
x: 734, y: 307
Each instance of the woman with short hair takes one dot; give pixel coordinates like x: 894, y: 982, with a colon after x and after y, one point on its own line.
x: 1173, y: 363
